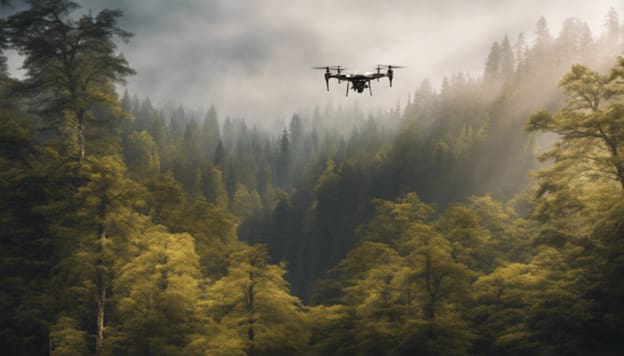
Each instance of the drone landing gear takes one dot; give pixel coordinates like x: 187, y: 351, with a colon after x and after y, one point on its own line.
x: 347, y: 89
x: 370, y: 88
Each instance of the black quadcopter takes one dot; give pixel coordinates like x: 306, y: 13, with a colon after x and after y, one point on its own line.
x: 359, y: 81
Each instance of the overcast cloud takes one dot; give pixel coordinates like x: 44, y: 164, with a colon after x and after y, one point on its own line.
x: 253, y: 58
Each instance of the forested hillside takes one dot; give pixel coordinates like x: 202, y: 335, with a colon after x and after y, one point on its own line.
x: 483, y: 217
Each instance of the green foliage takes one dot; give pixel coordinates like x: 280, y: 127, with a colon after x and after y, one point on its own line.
x: 245, y: 204
x: 213, y: 187
x: 142, y: 156
x: 157, y: 294
x: 253, y: 302
x: 391, y: 219
x: 25, y: 301
x: 331, y: 330
x: 214, y: 230
x: 406, y: 293
x: 470, y: 242
x: 66, y: 338
x: 589, y: 127
x: 574, y: 202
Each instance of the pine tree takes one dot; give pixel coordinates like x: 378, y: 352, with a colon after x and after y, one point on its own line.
x: 507, y: 60
x: 73, y: 59
x: 142, y: 156
x: 520, y: 52
x: 211, y: 134
x: 541, y: 55
x: 245, y: 203
x: 192, y: 144
x: 568, y: 43
x: 613, y: 32
x: 284, y: 161
x: 493, y: 65
x: 213, y: 187
x: 219, y: 156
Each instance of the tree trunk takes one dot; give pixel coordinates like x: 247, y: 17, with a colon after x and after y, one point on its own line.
x: 251, y: 319
x: 428, y: 307
x: 615, y: 156
x: 620, y: 173
x: 81, y: 136
x: 100, y: 286
x: 101, y: 301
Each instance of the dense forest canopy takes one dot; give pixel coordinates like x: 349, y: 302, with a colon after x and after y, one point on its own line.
x: 483, y: 216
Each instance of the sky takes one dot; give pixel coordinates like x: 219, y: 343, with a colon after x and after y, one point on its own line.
x: 253, y: 59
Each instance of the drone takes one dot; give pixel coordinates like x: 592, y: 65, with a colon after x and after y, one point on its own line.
x: 358, y: 81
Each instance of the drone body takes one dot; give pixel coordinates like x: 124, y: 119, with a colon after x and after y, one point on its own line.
x: 358, y: 81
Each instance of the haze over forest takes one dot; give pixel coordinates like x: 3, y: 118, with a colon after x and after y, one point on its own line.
x: 176, y: 180
x: 251, y: 59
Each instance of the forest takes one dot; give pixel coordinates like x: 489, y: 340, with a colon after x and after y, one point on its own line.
x: 485, y: 216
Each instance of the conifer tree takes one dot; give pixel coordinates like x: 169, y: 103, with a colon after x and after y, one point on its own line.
x: 507, y: 59
x: 284, y: 160
x: 493, y: 64
x: 211, y: 134
x: 70, y: 64
x: 142, y: 156
x: 541, y: 56
x: 613, y: 32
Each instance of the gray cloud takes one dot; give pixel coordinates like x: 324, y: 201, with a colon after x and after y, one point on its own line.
x: 252, y: 58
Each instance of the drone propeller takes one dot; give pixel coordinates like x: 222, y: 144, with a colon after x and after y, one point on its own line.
x: 389, y: 66
x: 339, y: 69
x: 328, y: 70
x: 390, y: 72
x: 378, y: 70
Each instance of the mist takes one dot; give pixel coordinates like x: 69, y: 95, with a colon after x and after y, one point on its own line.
x: 253, y: 59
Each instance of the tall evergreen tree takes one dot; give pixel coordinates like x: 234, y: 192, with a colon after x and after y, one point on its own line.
x: 493, y: 64
x: 541, y: 53
x: 520, y: 52
x: 507, y: 59
x: 613, y: 32
x: 211, y: 134
x: 70, y: 64
x: 284, y: 160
